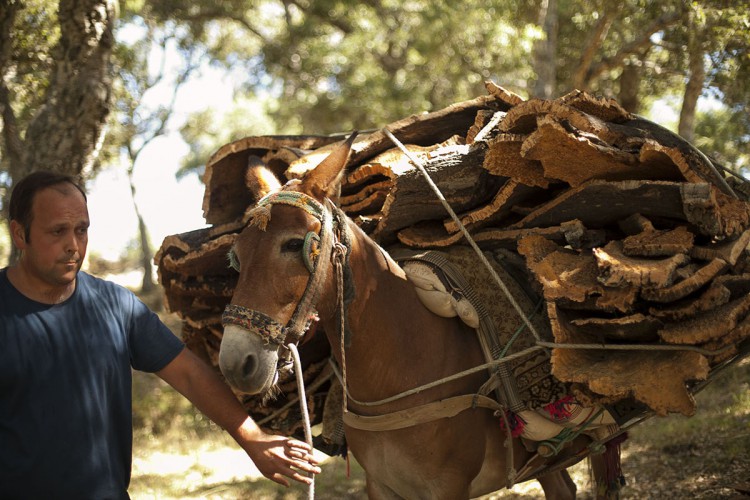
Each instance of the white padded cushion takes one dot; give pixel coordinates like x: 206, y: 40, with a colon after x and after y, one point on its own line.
x: 434, y: 296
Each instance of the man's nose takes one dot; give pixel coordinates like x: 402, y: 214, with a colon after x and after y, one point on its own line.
x: 71, y: 244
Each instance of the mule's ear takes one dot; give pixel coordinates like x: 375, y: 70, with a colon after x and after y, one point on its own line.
x: 259, y: 180
x: 325, y: 179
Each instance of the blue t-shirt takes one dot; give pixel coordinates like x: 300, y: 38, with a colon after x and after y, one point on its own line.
x: 65, y: 388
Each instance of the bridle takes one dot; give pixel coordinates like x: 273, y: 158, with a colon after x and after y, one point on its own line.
x: 319, y: 252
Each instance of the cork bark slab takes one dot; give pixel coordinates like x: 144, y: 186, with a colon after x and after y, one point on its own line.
x: 708, y: 326
x: 634, y: 328
x: 503, y: 158
x: 687, y: 286
x: 728, y: 251
x: 656, y: 378
x: 653, y: 243
x: 716, y: 295
x: 617, y: 269
x: 572, y: 277
x: 598, y: 203
x: 498, y: 209
x: 576, y: 158
x: 226, y: 196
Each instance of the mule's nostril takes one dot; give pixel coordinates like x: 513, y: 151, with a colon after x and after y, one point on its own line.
x: 249, y: 366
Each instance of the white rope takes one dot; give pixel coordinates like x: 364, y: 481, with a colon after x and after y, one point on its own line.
x: 303, y: 409
x: 417, y: 390
x: 322, y: 379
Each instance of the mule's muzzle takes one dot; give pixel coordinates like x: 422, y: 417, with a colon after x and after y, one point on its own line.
x: 248, y: 363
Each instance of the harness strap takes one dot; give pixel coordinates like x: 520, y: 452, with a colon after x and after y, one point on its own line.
x: 489, y: 339
x: 300, y: 319
x: 444, y: 408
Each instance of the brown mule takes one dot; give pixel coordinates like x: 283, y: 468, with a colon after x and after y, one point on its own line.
x: 393, y: 344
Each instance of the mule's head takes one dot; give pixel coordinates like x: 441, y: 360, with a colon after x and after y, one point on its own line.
x: 280, y: 256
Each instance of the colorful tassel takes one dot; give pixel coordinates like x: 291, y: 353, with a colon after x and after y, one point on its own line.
x: 559, y: 410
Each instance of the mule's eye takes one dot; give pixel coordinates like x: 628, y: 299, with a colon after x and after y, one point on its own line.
x: 293, y: 245
x: 234, y: 262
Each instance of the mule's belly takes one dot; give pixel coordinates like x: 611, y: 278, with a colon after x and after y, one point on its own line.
x: 454, y: 458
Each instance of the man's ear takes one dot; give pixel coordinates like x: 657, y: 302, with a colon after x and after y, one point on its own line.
x: 18, y: 234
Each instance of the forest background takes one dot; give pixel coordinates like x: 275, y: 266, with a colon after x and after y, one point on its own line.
x: 92, y: 86
x: 98, y: 88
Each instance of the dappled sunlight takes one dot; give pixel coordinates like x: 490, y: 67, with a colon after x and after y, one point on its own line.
x: 700, y: 457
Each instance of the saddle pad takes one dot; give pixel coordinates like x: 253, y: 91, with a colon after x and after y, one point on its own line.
x: 482, y: 300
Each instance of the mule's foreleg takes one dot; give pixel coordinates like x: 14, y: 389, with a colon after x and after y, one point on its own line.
x: 558, y: 486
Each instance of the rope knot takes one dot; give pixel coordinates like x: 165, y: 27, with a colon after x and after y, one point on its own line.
x: 339, y: 251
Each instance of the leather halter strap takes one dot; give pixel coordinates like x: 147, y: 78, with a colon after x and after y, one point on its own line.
x: 268, y: 328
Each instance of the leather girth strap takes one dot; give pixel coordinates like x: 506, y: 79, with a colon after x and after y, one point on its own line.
x: 443, y: 408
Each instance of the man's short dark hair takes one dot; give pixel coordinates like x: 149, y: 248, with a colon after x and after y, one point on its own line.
x: 22, y: 196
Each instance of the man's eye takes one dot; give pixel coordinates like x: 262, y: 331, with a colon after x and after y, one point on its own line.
x: 293, y: 245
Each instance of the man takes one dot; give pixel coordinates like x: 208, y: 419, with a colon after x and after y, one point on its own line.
x: 67, y: 345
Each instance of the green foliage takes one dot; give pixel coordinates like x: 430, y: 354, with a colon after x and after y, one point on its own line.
x: 35, y: 33
x: 332, y: 66
x: 335, y: 65
x: 724, y: 134
x: 391, y: 59
x: 328, y: 66
x: 205, y: 131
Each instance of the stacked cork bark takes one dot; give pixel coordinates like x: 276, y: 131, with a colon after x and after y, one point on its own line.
x: 631, y: 235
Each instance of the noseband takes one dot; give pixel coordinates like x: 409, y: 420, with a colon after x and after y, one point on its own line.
x: 318, y: 248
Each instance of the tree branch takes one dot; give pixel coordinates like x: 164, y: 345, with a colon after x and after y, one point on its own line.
x: 634, y: 47
x: 592, y: 47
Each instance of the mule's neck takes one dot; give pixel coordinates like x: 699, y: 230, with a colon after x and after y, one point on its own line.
x: 396, y: 343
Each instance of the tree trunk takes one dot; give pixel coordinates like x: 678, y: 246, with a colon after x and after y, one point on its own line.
x: 630, y: 80
x: 545, y: 50
x: 146, y: 256
x: 65, y: 133
x: 693, y: 89
x: 580, y: 77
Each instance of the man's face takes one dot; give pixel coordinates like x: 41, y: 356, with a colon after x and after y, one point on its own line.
x: 58, y: 235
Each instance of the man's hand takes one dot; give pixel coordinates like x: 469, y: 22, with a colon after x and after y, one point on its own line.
x: 279, y: 457
x: 276, y: 457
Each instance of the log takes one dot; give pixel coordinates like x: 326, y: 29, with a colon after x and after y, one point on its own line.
x: 458, y: 174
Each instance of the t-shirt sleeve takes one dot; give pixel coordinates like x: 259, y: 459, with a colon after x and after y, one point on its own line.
x: 152, y: 344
